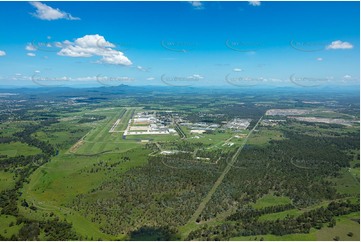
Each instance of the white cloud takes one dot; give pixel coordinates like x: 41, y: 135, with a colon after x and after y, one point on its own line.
x: 141, y: 68
x: 319, y: 59
x: 338, y: 44
x: 15, y: 77
x: 31, y: 54
x: 255, y: 3
x: 237, y: 69
x: 30, y: 47
x: 195, y: 76
x: 150, y: 78
x: 45, y: 12
x: 196, y: 4
x: 37, y: 71
x: 94, y: 45
x: 58, y: 44
x: 348, y: 79
x: 2, y: 53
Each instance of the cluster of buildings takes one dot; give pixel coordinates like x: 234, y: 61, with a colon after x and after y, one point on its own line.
x: 238, y: 124
x: 148, y: 123
x: 200, y: 128
x: 151, y: 122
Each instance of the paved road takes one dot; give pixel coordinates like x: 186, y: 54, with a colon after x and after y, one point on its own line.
x: 220, y: 178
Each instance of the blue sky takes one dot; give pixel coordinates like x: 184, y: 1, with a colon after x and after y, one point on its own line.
x: 218, y: 44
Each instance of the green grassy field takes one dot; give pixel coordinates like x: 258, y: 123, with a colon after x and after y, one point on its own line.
x: 216, y: 140
x: 99, y: 139
x: 269, y: 237
x: 55, y: 184
x: 264, y: 135
x: 17, y: 148
x: 7, y: 129
x: 7, y: 180
x: 344, y: 225
x: 270, y: 200
x: 346, y: 183
x: 8, y: 226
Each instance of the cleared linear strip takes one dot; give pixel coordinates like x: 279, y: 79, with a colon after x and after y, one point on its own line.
x: 220, y: 178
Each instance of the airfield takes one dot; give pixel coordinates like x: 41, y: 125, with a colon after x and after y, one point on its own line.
x: 125, y: 138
